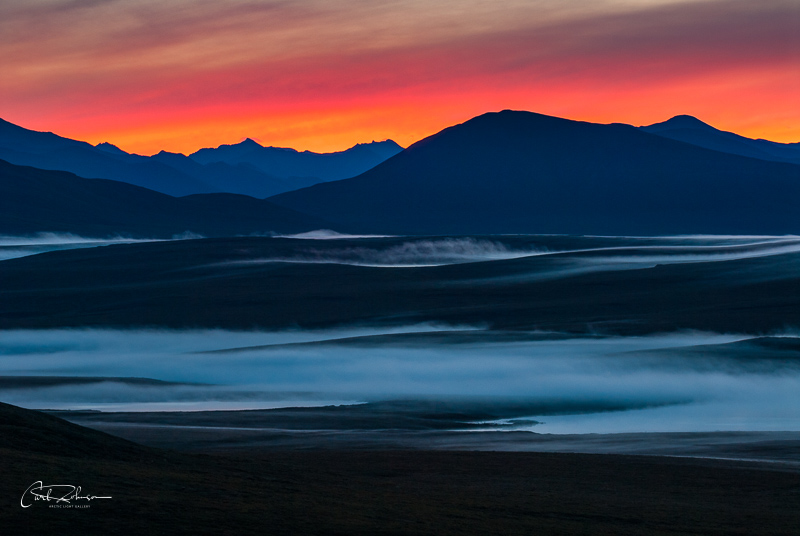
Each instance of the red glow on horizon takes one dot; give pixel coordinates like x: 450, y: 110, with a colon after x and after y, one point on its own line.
x: 321, y: 88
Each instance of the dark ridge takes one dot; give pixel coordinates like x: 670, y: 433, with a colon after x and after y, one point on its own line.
x: 287, y: 163
x: 34, y: 200
x: 688, y: 129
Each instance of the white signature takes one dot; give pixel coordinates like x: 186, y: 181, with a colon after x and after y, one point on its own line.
x: 60, y: 493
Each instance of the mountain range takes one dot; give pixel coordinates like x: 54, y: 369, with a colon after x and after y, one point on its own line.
x: 501, y: 172
x: 521, y: 172
x: 246, y: 168
x: 304, y: 167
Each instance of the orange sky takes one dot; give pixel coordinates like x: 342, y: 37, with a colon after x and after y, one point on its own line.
x: 148, y: 75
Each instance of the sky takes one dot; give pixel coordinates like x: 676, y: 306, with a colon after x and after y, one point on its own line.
x: 319, y: 75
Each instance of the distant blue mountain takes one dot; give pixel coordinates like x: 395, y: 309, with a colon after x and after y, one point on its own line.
x: 295, y: 166
x: 110, y: 148
x: 46, y: 150
x: 177, y: 175
x: 521, y: 172
x: 222, y: 177
x: 691, y: 130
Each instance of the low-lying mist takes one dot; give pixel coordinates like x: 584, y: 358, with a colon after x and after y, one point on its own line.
x: 682, y: 389
x: 13, y: 247
x: 576, y: 254
x: 327, y: 234
x: 614, y: 253
x: 412, y: 253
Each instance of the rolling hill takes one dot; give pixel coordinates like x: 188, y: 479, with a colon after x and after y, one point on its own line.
x: 35, y: 200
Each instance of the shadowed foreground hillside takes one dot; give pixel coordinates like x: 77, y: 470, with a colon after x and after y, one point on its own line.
x: 411, y: 492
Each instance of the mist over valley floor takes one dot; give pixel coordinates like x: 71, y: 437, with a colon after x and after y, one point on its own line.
x: 660, y: 383
x: 549, y: 334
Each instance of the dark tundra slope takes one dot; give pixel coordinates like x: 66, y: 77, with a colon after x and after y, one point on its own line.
x: 691, y: 130
x: 520, y: 172
x: 39, y: 433
x: 34, y: 200
x: 377, y: 492
x: 272, y: 171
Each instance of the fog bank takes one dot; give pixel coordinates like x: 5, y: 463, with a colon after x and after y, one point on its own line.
x: 685, y: 391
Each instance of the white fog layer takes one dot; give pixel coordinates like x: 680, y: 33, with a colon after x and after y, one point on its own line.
x: 679, y: 387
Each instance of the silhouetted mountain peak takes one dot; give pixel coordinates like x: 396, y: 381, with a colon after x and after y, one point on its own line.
x: 109, y: 148
x: 691, y: 130
x: 385, y: 149
x: 515, y: 121
x: 511, y: 130
x: 167, y: 153
x: 249, y: 142
x: 504, y: 117
x: 244, y: 146
x: 678, y: 122
x: 384, y: 143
